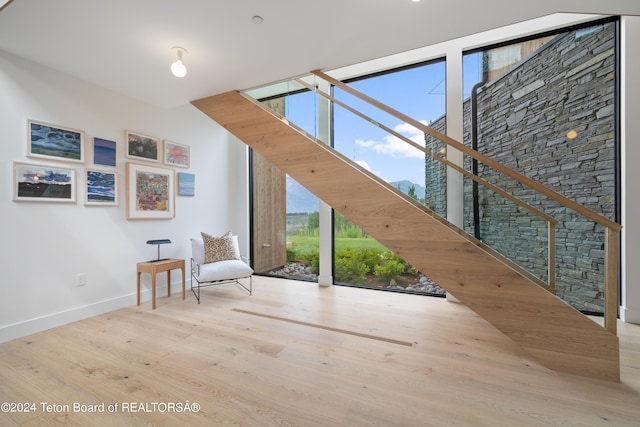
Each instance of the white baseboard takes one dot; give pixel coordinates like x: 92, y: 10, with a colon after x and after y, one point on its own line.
x: 629, y: 315
x: 53, y: 320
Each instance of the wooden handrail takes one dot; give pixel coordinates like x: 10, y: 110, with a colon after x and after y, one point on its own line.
x: 586, y: 212
x: 612, y: 228
x: 425, y: 150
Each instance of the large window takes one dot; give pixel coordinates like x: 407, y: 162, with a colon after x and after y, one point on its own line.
x: 546, y: 107
x: 418, y: 92
x: 285, y: 214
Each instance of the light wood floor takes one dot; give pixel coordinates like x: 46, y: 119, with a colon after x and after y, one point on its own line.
x: 295, y: 354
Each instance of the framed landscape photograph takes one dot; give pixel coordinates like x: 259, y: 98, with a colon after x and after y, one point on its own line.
x: 104, y: 152
x: 186, y: 184
x: 142, y: 146
x: 150, y: 192
x: 102, y: 188
x: 40, y: 183
x: 54, y: 142
x: 176, y: 154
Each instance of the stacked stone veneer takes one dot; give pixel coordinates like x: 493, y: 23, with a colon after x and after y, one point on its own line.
x: 523, y: 120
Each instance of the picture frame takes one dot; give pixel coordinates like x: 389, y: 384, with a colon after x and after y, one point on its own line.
x: 143, y: 147
x: 54, y: 142
x: 43, y: 183
x: 150, y: 192
x: 104, y: 152
x: 186, y: 184
x: 101, y: 188
x: 176, y: 154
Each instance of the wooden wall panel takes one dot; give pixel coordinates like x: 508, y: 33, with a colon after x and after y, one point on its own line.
x: 269, y: 215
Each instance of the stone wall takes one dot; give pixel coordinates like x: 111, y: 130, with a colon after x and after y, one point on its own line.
x: 523, y: 121
x: 436, y: 171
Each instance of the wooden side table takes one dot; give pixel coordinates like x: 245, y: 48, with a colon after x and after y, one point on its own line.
x: 154, y: 267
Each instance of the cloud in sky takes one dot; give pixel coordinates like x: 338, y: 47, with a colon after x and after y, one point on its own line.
x: 394, y: 146
x: 363, y: 164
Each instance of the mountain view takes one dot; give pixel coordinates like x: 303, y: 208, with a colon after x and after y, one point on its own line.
x: 301, y: 200
x: 405, y: 186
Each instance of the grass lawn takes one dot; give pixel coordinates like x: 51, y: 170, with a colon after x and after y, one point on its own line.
x: 305, y: 244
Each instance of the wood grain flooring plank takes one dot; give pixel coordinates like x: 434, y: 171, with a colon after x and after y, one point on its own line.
x: 261, y: 371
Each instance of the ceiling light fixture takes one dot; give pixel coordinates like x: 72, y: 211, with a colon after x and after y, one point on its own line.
x: 177, y: 68
x: 257, y: 19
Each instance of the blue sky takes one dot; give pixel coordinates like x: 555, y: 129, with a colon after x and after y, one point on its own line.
x: 418, y: 92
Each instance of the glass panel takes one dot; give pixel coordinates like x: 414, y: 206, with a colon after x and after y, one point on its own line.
x: 362, y: 261
x: 302, y: 206
x: 303, y: 242
x: 299, y: 106
x: 509, y: 228
x: 296, y: 103
x: 419, y: 93
x: 546, y: 108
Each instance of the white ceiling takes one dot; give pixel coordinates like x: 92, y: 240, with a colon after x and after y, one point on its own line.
x: 125, y: 45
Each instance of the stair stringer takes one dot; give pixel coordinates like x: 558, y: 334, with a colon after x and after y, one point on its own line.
x: 554, y: 333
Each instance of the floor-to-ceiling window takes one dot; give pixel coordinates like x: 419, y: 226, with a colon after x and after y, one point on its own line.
x: 419, y: 92
x: 546, y: 107
x: 293, y: 253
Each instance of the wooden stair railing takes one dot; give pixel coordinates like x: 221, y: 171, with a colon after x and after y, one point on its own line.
x: 612, y: 228
x: 554, y: 333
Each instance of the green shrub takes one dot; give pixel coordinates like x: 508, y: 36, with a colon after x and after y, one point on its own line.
x: 371, y: 257
x: 352, y: 265
x: 313, y: 258
x: 390, y: 269
x: 291, y: 255
x: 351, y: 270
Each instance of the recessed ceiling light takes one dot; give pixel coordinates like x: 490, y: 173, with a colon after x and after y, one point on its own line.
x: 257, y: 19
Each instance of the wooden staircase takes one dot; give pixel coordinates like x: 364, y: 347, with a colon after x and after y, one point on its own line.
x: 552, y: 332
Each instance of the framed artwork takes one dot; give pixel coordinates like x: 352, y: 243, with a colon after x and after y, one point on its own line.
x: 176, y: 154
x: 104, y: 152
x: 102, y: 188
x: 54, y: 142
x: 142, y: 146
x: 40, y: 183
x: 150, y: 192
x: 186, y: 184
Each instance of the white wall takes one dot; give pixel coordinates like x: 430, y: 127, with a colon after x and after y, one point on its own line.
x: 44, y: 245
x: 630, y: 135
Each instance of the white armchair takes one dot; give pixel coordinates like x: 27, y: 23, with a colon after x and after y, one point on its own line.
x: 218, y: 268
